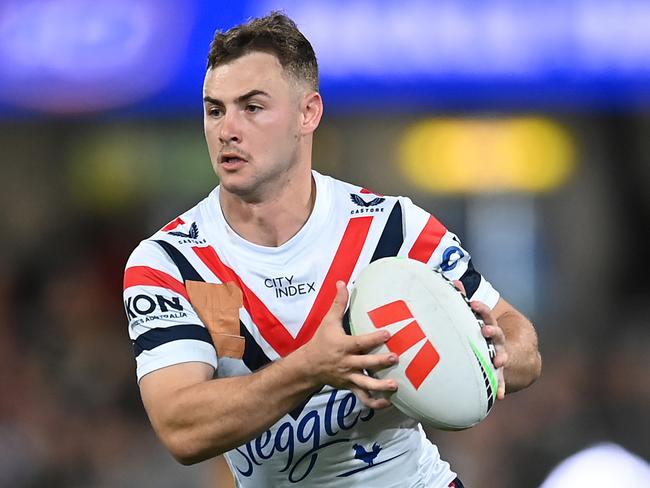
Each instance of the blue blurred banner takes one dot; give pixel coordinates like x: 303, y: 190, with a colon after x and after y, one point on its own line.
x: 127, y: 57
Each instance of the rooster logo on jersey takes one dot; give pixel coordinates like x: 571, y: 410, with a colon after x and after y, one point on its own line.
x: 367, y: 457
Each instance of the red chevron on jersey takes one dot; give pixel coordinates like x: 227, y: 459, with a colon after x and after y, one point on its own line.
x: 273, y: 331
x: 173, y: 224
x: 146, y: 276
x: 428, y: 240
x: 269, y: 326
x: 369, y: 192
x: 343, y: 264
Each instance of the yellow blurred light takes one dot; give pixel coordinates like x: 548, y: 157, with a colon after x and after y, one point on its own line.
x: 527, y: 154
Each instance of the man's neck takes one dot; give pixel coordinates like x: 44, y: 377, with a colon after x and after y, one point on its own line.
x: 274, y: 220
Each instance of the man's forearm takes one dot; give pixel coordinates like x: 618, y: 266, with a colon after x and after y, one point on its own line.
x: 208, y: 418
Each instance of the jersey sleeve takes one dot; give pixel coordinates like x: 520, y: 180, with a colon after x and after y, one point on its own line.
x: 163, y: 326
x: 429, y: 241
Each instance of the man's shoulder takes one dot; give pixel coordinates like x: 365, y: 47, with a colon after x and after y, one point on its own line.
x: 185, y: 228
x: 357, y: 195
x: 361, y: 201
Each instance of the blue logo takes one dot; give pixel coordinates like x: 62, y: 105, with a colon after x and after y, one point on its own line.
x: 192, y: 234
x: 367, y: 457
x: 451, y: 257
x: 313, y: 431
x: 357, y: 200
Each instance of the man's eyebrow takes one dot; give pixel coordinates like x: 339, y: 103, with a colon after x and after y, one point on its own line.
x: 239, y: 99
x: 213, y: 101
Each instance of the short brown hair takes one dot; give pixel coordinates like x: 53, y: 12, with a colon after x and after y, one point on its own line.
x: 276, y: 34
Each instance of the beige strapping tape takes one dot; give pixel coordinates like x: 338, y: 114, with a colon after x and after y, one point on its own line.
x: 218, y: 307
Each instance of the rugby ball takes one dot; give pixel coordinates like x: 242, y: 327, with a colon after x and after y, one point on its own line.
x: 445, y: 374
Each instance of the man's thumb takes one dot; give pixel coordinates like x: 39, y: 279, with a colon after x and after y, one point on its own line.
x: 340, y: 302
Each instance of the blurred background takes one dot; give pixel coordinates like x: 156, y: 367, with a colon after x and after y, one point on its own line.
x: 524, y: 126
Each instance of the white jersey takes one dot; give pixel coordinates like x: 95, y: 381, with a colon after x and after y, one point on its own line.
x: 331, y: 439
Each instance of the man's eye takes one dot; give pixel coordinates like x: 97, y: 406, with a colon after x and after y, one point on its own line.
x: 215, y: 112
x: 253, y: 108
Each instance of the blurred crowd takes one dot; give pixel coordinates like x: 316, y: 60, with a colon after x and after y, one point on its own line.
x: 70, y: 415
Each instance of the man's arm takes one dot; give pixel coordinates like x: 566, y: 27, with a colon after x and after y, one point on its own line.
x: 516, y: 345
x: 198, y: 417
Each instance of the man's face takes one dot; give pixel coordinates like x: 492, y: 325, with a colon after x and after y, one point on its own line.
x: 251, y: 121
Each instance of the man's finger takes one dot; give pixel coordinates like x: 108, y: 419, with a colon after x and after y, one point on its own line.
x: 501, y: 389
x: 369, y: 383
x: 494, y: 332
x: 373, y: 362
x: 484, y: 311
x: 370, y: 401
x: 367, y: 342
x: 340, y: 302
x: 498, y: 338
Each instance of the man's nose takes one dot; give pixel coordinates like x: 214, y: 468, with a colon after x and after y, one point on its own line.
x: 230, y: 128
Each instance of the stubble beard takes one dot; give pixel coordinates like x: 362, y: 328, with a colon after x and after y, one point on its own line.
x: 262, y: 184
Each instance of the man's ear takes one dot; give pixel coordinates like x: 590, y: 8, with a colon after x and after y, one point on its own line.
x: 311, y: 111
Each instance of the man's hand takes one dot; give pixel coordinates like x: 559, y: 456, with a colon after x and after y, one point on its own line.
x: 339, y: 360
x: 492, y: 331
x: 514, y: 338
